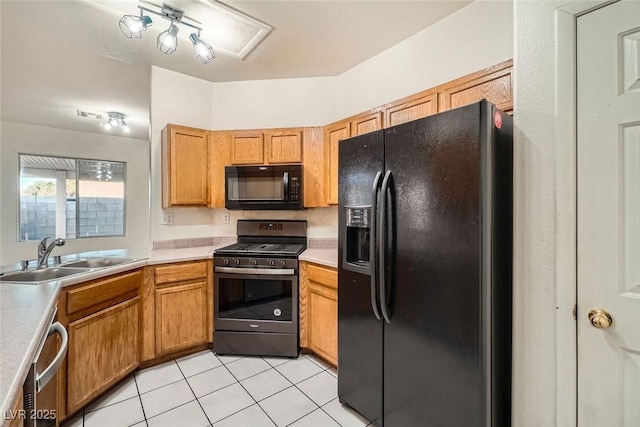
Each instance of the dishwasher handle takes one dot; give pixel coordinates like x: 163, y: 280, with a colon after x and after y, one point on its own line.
x: 43, y: 379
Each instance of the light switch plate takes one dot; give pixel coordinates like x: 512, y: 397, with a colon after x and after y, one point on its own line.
x: 167, y: 219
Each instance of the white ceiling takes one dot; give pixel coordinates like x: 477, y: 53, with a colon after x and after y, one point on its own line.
x: 60, y: 56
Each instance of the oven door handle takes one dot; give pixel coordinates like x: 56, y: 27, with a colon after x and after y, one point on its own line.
x: 257, y: 271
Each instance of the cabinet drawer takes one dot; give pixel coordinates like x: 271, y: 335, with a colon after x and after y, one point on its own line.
x: 322, y: 275
x: 103, y: 290
x: 181, y: 272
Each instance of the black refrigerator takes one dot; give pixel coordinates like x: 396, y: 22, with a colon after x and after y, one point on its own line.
x: 424, y: 280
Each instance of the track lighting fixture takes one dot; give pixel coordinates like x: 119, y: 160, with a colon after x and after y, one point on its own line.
x: 134, y: 27
x: 116, y: 120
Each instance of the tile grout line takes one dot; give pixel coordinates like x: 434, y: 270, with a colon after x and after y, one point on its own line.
x: 135, y: 382
x: 319, y: 407
x: 193, y: 392
x: 158, y: 388
x: 247, y: 391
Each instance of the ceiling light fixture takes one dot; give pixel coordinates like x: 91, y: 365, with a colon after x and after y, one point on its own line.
x: 116, y: 120
x: 168, y: 40
x: 204, y: 52
x: 134, y: 27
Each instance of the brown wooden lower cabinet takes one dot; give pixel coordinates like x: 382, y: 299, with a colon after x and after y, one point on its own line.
x: 103, y: 348
x: 181, y: 316
x: 319, y: 311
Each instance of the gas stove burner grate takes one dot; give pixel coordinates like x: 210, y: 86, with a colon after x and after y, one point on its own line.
x: 262, y: 248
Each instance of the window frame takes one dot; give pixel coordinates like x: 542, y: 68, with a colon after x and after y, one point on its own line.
x: 76, y: 161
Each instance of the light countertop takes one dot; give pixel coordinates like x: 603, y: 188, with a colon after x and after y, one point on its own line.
x: 323, y: 256
x: 24, y: 308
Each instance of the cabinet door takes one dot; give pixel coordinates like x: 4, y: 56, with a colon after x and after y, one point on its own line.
x: 314, y: 168
x: 247, y: 148
x: 185, y: 167
x: 103, y: 348
x: 492, y: 84
x: 322, y: 316
x: 411, y: 108
x: 283, y: 146
x: 366, y: 123
x: 332, y: 135
x: 181, y: 317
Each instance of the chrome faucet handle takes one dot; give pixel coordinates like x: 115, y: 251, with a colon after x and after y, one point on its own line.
x: 42, y: 246
x: 24, y: 264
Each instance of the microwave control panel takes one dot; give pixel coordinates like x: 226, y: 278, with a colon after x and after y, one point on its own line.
x: 294, y: 189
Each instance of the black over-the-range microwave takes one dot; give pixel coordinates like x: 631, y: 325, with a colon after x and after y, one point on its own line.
x: 263, y: 187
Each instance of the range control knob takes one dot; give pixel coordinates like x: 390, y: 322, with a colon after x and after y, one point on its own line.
x: 226, y: 261
x: 236, y: 261
x: 272, y: 262
x: 283, y: 263
x: 254, y: 262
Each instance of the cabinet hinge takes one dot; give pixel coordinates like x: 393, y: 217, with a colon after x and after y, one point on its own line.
x: 575, y: 312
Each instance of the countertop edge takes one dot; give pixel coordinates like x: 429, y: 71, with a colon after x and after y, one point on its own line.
x: 323, y: 256
x: 21, y: 374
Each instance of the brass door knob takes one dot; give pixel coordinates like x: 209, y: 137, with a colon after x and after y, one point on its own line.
x: 600, y: 318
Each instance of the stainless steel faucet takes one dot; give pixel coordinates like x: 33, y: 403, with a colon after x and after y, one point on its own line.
x: 44, y: 250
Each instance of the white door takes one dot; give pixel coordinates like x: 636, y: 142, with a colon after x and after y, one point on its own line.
x: 608, y: 44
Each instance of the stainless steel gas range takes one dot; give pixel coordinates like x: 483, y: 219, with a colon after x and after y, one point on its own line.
x: 256, y: 289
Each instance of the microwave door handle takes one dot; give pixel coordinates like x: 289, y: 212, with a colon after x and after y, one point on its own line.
x: 285, y: 184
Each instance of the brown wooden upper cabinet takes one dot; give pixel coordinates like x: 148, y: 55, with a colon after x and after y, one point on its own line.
x: 283, y: 146
x: 256, y: 147
x: 247, y: 147
x: 492, y: 84
x: 366, y: 122
x: 185, y: 166
x: 411, y: 108
x: 333, y: 133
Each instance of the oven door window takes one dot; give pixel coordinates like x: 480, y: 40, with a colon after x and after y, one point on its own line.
x: 256, y: 187
x: 255, y: 299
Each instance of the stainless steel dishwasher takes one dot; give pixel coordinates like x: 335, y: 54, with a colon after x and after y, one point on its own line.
x: 40, y: 388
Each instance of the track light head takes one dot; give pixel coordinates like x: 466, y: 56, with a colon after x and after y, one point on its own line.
x: 168, y: 40
x: 204, y: 52
x: 134, y: 26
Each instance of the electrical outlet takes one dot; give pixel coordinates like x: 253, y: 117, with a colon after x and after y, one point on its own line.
x: 167, y: 219
x: 225, y: 218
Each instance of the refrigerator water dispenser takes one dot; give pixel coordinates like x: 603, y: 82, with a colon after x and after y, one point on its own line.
x: 358, y: 238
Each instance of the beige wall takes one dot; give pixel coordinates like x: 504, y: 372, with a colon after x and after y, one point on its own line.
x: 475, y: 37
x: 20, y: 138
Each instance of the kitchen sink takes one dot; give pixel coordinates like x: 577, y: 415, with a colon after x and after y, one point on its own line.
x: 97, y: 262
x: 41, y: 275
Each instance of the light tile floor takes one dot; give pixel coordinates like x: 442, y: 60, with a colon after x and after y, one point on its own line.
x: 205, y: 389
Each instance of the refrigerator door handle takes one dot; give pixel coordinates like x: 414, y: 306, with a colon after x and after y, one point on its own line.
x: 372, y: 245
x: 382, y: 245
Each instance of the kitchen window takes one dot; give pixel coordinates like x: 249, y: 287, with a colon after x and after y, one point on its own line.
x: 70, y: 198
